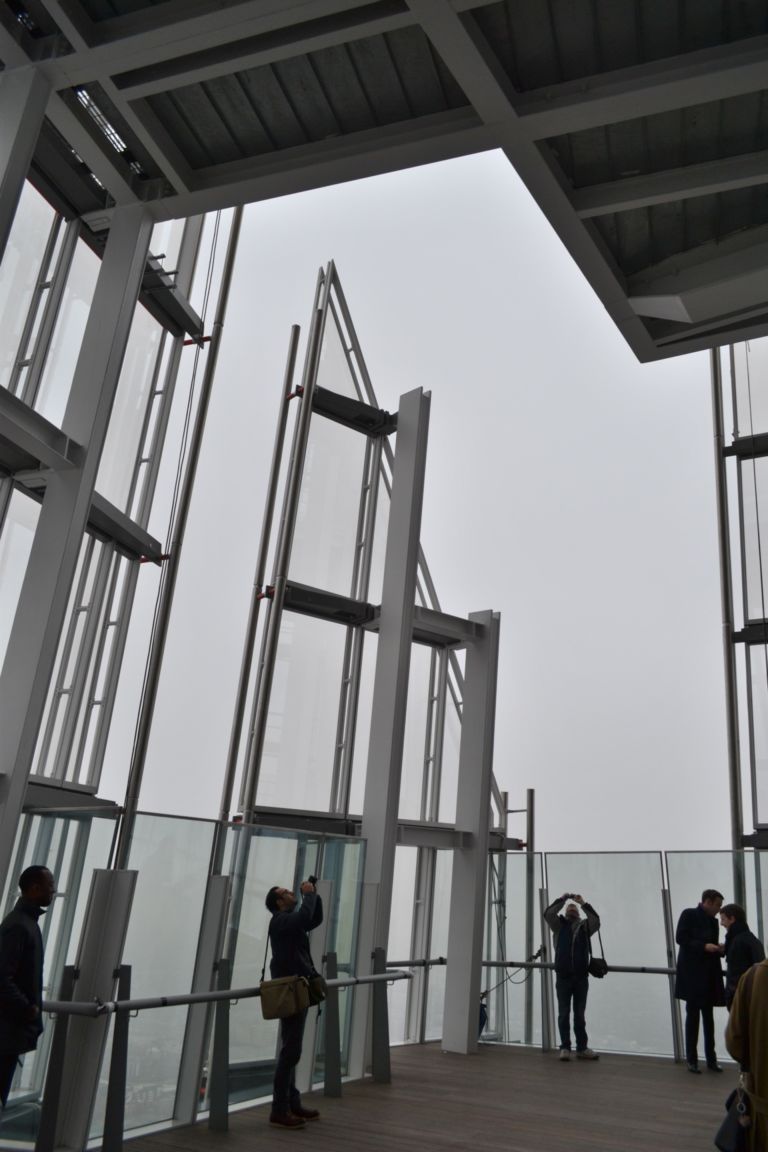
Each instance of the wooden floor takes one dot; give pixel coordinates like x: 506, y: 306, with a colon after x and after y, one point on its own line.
x: 510, y: 1099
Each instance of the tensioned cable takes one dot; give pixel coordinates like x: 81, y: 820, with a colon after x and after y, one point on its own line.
x: 757, y: 507
x: 179, y: 468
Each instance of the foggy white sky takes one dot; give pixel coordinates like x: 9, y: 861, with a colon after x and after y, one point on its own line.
x: 568, y: 487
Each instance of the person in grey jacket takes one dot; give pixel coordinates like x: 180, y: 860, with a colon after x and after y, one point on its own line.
x: 572, y: 953
x: 288, y: 934
x: 21, y: 973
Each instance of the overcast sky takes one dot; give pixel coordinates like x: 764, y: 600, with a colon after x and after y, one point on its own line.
x: 568, y: 487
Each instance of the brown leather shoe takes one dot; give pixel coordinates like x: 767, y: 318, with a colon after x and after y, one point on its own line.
x: 286, y: 1120
x: 305, y: 1113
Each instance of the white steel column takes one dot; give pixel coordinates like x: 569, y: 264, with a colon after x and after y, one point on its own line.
x: 52, y: 562
x: 23, y: 99
x: 393, y: 659
x: 473, y: 815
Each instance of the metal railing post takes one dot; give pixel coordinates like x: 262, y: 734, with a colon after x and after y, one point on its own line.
x: 114, y: 1116
x: 46, y: 1134
x: 678, y: 1046
x: 332, y: 1031
x: 218, y: 1075
x: 547, y: 1008
x: 380, y: 1022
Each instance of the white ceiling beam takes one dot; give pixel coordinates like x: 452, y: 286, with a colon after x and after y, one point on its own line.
x: 646, y: 89
x: 156, y: 37
x: 673, y: 184
x: 245, y: 54
x: 89, y: 150
x: 431, y: 139
x: 477, y: 70
x: 153, y: 137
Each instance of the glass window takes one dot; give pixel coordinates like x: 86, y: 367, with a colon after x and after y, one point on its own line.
x: 441, y: 907
x: 513, y: 933
x: 757, y: 657
x: 628, y: 1012
x: 20, y: 271
x: 56, y: 381
x: 753, y: 478
x: 297, y: 763
x: 750, y: 362
x: 126, y: 424
x: 414, y: 748
x: 326, y: 534
x: 333, y: 370
x: 399, y: 944
x: 172, y: 857
x: 18, y: 531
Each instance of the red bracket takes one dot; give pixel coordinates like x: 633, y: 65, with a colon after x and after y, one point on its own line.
x: 298, y: 392
x: 199, y: 340
x: 155, y: 559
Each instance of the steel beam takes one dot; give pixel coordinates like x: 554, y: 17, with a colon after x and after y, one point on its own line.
x: 646, y: 89
x: 42, y: 605
x: 393, y: 658
x: 24, y: 94
x: 470, y: 865
x: 672, y: 185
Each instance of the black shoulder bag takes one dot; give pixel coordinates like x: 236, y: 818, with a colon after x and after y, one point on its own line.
x: 597, y: 964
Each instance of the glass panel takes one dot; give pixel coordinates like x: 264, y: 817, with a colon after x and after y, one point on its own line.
x: 71, y: 846
x: 333, y: 369
x: 379, y: 545
x: 297, y: 764
x: 19, y: 272
x: 15, y: 546
x: 62, y: 356
x: 399, y: 944
x: 512, y: 996
x: 628, y: 1012
x: 441, y: 905
x: 754, y: 489
x: 751, y: 367
x: 323, y: 553
x: 363, y: 729
x: 172, y: 858
x: 166, y: 242
x: 264, y: 857
x: 757, y: 664
x: 449, y: 775
x: 127, y: 420
x: 414, y: 749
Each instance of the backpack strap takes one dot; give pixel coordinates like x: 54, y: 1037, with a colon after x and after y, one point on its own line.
x: 266, y: 950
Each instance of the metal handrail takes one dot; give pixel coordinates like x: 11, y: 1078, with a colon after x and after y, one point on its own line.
x: 108, y: 1007
x: 549, y: 965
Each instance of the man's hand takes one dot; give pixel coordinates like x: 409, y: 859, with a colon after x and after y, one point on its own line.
x: 579, y: 899
x: 714, y: 948
x: 307, y: 887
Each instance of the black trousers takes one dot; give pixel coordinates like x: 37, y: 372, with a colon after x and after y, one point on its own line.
x: 284, y: 1094
x: 572, y: 988
x: 8, y: 1065
x: 692, y: 1013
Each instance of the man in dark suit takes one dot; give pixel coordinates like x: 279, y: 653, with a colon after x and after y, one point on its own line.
x: 288, y: 934
x: 741, y: 949
x: 21, y: 973
x: 699, y: 979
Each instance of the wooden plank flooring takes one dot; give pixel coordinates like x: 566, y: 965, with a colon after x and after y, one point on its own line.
x: 510, y: 1099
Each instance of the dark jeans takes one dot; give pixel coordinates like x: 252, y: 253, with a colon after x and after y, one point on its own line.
x: 692, y: 1012
x: 284, y: 1094
x: 572, y: 988
x: 8, y: 1065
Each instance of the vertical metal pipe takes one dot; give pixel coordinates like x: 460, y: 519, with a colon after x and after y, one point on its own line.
x: 258, y: 581
x: 678, y: 1046
x: 282, y: 561
x: 114, y: 1115
x: 332, y: 1076
x: 157, y: 650
x: 726, y: 601
x: 547, y: 1012
x: 530, y: 877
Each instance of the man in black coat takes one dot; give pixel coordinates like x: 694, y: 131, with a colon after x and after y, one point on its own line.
x: 21, y: 973
x: 741, y: 949
x: 288, y: 930
x: 700, y: 976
